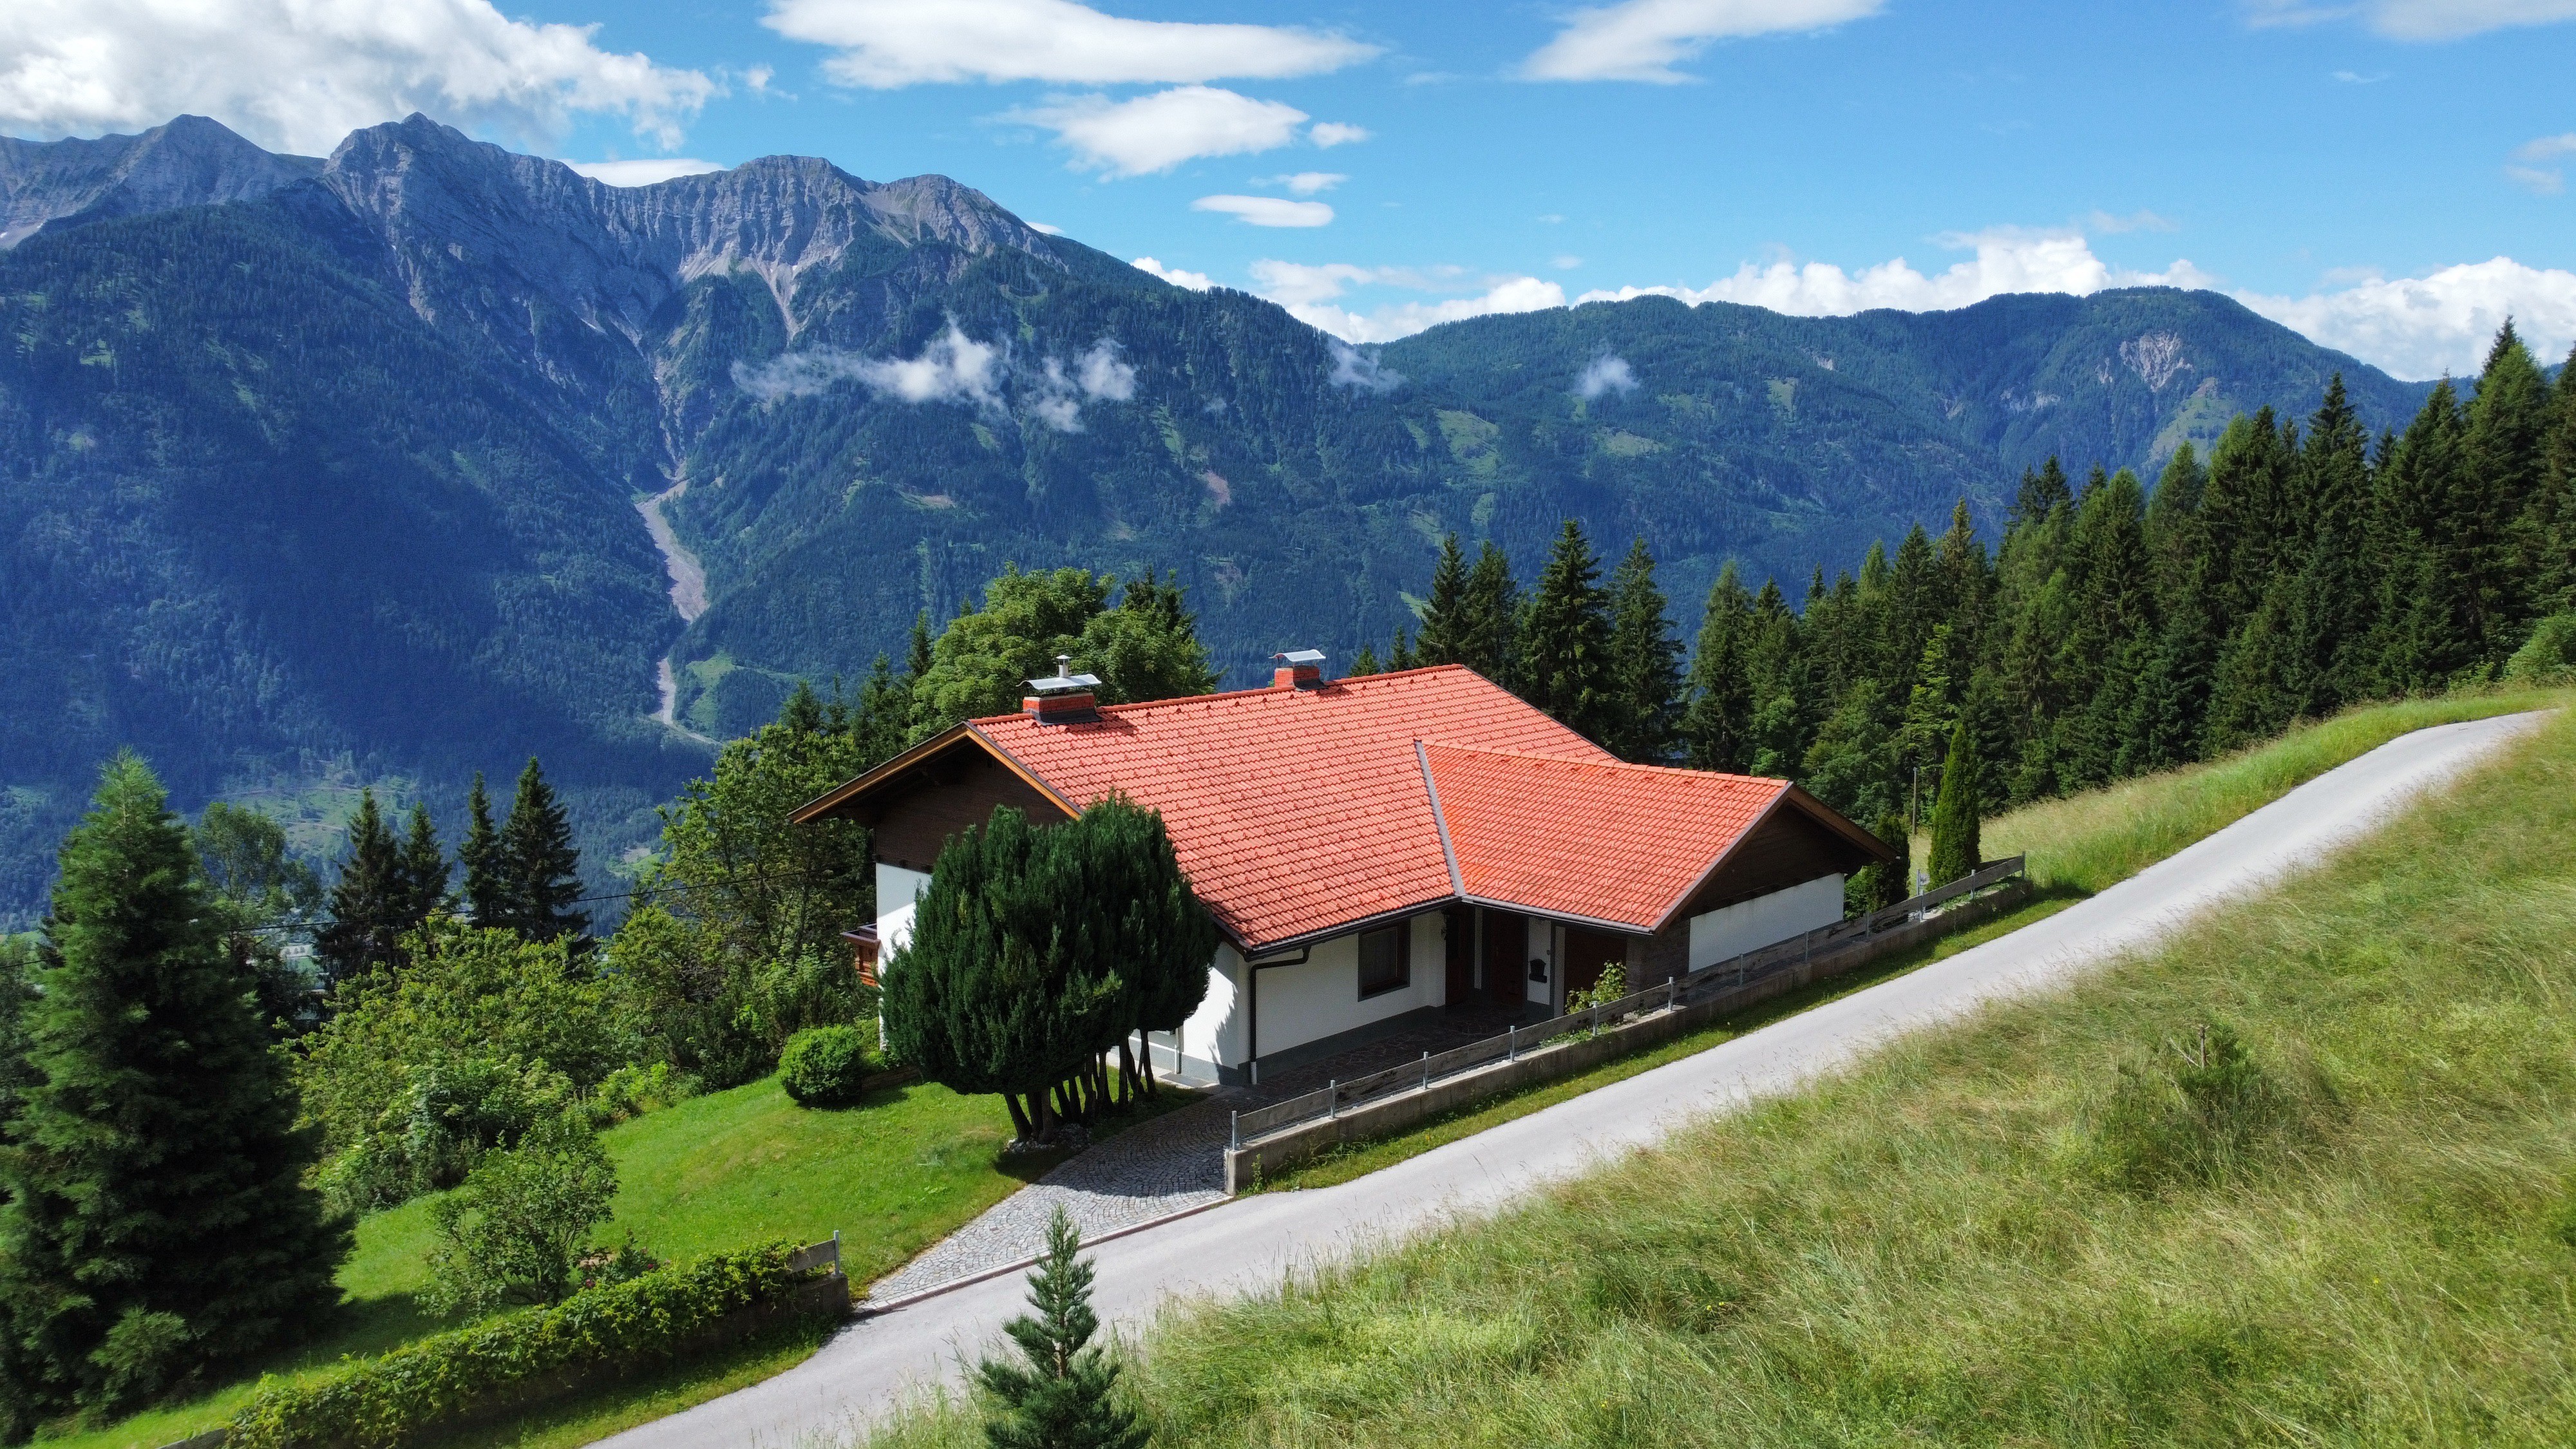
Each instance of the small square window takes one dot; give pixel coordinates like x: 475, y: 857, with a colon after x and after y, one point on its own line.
x: 1385, y: 963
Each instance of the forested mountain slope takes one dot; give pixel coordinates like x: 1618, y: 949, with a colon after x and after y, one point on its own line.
x: 304, y: 461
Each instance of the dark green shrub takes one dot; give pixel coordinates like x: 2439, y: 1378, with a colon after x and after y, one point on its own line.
x: 516, y: 1230
x: 2549, y: 656
x: 826, y: 1066
x: 386, y: 1401
x: 2194, y: 1113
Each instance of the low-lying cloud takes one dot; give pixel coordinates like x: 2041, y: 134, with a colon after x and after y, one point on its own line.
x: 1606, y: 373
x: 1362, y: 370
x: 954, y: 368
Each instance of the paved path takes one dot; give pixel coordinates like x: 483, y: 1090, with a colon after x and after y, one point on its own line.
x: 1251, y: 1243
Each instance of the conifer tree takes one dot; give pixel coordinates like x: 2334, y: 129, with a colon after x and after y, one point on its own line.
x: 1645, y: 664
x: 370, y: 903
x: 425, y: 870
x: 1489, y: 616
x: 156, y: 1221
x: 1444, y: 615
x: 1063, y: 1397
x: 1890, y: 882
x: 480, y: 857
x: 2431, y: 626
x: 918, y: 655
x: 1955, y: 843
x: 540, y: 869
x: 2546, y: 537
x: 1564, y: 664
x: 1717, y: 730
x: 1364, y: 663
x: 884, y: 712
x: 2507, y: 447
x: 1399, y: 652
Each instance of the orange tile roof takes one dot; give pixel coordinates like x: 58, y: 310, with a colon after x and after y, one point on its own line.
x: 1602, y: 840
x: 1293, y: 810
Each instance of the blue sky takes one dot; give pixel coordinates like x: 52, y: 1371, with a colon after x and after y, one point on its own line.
x: 2387, y: 176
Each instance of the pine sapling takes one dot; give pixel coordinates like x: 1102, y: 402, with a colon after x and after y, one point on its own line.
x: 1063, y: 1398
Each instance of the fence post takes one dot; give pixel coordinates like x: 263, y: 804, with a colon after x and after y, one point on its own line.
x: 1426, y: 1070
x: 1332, y: 1099
x: 1672, y: 992
x: 1233, y: 1131
x: 1511, y: 1042
x: 1593, y: 1028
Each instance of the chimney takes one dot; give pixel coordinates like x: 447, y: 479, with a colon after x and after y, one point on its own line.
x: 1065, y: 698
x: 1298, y: 669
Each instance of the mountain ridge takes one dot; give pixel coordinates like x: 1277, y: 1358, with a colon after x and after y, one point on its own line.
x: 340, y: 458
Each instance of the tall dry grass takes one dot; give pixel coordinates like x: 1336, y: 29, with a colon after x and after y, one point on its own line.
x: 1927, y: 1250
x: 2086, y: 842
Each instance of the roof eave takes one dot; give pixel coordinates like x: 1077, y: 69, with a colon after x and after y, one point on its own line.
x: 833, y: 801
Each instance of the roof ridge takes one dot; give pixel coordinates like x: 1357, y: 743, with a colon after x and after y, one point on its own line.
x: 1686, y: 771
x: 1259, y: 689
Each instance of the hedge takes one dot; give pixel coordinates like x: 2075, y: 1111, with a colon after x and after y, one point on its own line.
x: 383, y: 1401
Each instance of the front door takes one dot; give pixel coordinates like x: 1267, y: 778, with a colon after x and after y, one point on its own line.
x: 1586, y: 952
x: 1458, y: 929
x: 1506, y: 957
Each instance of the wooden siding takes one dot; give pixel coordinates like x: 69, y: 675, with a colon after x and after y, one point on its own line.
x: 949, y: 794
x: 1790, y: 848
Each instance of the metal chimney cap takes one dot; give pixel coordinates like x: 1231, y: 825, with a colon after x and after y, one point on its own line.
x: 1064, y: 679
x: 1301, y: 656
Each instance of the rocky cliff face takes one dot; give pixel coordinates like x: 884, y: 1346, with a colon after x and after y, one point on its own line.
x: 191, y: 161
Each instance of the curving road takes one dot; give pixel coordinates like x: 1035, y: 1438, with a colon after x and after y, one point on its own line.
x: 1246, y: 1244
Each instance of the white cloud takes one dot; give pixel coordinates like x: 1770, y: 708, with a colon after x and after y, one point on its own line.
x: 1162, y: 130
x: 2537, y: 179
x: 953, y: 368
x: 1194, y: 281
x: 1566, y: 263
x: 2356, y: 78
x: 1096, y: 376
x: 1304, y: 183
x: 1046, y: 228
x: 2547, y: 148
x: 645, y: 172
x: 299, y: 75
x: 2140, y: 220
x: 887, y: 43
x: 1307, y: 292
x: 2545, y: 180
x: 1268, y: 210
x: 1606, y: 373
x: 2423, y: 326
x: 1328, y: 134
x: 2417, y: 19
x: 1641, y: 40
x: 1354, y: 368
x: 2008, y: 259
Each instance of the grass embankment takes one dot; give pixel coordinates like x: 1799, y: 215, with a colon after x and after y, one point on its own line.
x: 2077, y: 846
x: 727, y: 1170
x: 1933, y: 1248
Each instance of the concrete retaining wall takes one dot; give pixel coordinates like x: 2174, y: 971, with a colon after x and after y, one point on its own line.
x: 1292, y: 1145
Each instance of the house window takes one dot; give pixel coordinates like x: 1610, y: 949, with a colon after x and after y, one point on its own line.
x: 1385, y: 962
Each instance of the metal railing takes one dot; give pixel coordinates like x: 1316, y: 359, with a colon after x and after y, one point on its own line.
x: 1733, y: 974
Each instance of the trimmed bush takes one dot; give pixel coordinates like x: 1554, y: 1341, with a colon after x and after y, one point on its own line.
x: 825, y: 1066
x: 384, y: 1402
x: 2549, y: 656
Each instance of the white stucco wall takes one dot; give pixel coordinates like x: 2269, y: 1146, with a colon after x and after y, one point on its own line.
x: 1214, y: 1034
x: 1750, y: 925
x: 898, y: 892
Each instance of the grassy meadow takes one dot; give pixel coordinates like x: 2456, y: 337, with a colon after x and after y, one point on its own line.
x: 726, y: 1170
x: 2065, y: 1221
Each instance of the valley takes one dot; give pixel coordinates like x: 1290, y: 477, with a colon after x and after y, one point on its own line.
x: 390, y: 508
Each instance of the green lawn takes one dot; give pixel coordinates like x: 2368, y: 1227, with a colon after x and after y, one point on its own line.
x: 2077, y: 847
x: 1941, y: 1247
x: 734, y: 1168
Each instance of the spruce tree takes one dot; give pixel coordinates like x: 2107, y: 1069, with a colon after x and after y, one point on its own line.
x: 1717, y: 730
x: 1890, y: 882
x: 370, y: 903
x: 1489, y: 615
x: 2507, y: 446
x: 540, y: 869
x: 2546, y: 534
x: 486, y: 896
x: 1955, y: 843
x: 2430, y: 624
x: 1063, y: 1397
x: 1445, y: 622
x: 1645, y: 664
x: 424, y: 870
x: 1364, y: 663
x: 156, y: 1220
x: 1564, y: 664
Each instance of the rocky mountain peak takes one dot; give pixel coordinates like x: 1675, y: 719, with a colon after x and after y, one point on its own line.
x: 191, y: 161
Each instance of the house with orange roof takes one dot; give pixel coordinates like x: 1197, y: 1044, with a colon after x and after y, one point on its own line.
x: 1380, y: 847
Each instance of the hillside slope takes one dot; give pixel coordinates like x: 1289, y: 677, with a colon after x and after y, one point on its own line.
x: 337, y: 460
